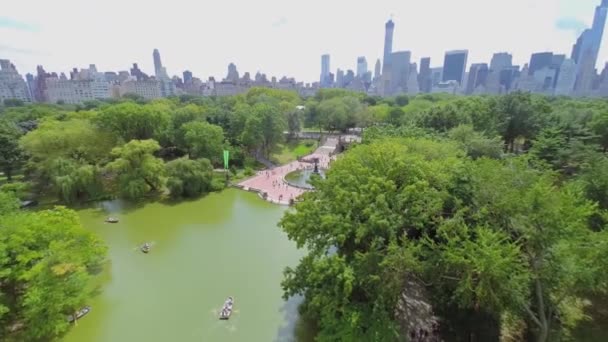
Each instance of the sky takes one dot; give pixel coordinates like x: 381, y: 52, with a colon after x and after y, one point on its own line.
x: 279, y: 37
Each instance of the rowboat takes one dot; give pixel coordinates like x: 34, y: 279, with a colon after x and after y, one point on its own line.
x: 79, y: 314
x: 227, y: 309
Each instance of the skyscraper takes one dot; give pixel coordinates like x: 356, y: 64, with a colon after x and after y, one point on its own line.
x: 425, y: 81
x: 158, y: 65
x: 454, y: 65
x: 400, y: 70
x: 325, y: 79
x: 539, y: 60
x: 585, y: 51
x: 377, y: 69
x: 566, y: 78
x: 388, y: 44
x: 500, y: 61
x: 361, y: 66
x: 340, y: 78
x: 233, y: 74
x: 477, y: 77
x: 187, y: 76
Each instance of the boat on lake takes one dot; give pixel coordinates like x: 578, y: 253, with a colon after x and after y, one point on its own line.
x: 111, y: 220
x: 227, y: 308
x: 146, y: 247
x: 79, y: 314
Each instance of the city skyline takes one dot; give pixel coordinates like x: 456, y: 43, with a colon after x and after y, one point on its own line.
x: 284, y: 41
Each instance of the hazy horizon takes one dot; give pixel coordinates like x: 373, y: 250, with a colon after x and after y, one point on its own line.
x: 280, y: 37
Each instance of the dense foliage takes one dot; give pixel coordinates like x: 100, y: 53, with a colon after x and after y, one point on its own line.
x: 46, y: 263
x: 497, y: 205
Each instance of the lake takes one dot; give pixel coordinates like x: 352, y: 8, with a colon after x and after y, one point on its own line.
x: 225, y: 244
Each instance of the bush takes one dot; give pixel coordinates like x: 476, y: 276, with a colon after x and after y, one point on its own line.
x: 218, y: 184
x: 19, y: 189
x: 249, y: 172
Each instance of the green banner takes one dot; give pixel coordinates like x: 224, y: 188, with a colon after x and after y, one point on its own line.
x: 226, y: 157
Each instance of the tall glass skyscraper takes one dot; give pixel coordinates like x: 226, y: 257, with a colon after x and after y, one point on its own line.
x: 388, y: 43
x: 586, y: 49
x: 361, y: 66
x: 454, y: 65
x: 157, y: 63
x: 325, y: 79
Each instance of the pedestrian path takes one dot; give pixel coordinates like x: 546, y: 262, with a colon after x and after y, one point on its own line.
x: 272, y: 181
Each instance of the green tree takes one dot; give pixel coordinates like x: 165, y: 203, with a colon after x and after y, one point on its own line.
x: 354, y: 227
x: 475, y: 144
x: 189, y: 178
x: 600, y: 127
x: 133, y: 121
x: 136, y: 169
x: 263, y: 128
x: 46, y: 260
x: 10, y: 154
x: 294, y: 121
x: 204, y: 140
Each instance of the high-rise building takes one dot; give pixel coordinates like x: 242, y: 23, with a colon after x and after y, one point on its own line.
x: 325, y: 67
x: 412, y: 86
x: 425, y: 83
x: 500, y: 61
x: 233, y: 74
x: 138, y: 74
x: 585, y: 50
x: 377, y: 69
x: 158, y: 65
x: 388, y: 44
x: 361, y: 66
x: 400, y: 69
x: 539, y: 60
x: 187, y: 76
x: 12, y: 85
x: 436, y: 75
x: 454, y: 65
x: 477, y: 77
x: 566, y: 78
x: 340, y: 78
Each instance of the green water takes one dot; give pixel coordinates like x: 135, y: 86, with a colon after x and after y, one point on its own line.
x: 226, y: 244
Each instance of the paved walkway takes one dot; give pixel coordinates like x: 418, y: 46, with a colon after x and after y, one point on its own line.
x: 272, y: 181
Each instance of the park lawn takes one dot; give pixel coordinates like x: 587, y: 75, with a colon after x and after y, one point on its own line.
x: 292, y: 150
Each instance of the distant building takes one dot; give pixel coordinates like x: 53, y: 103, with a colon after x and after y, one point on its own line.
x: 361, y: 67
x: 566, y: 79
x: 400, y: 69
x: 449, y: 87
x: 377, y: 70
x: 454, y: 65
x: 12, y: 85
x: 76, y: 91
x: 138, y: 74
x: 477, y: 77
x: 148, y: 89
x: 388, y: 44
x: 232, y: 75
x: 412, y: 86
x: 187, y: 76
x: 325, y: 79
x: 425, y: 80
x: 436, y: 75
x: 158, y: 65
x: 540, y: 60
x: 501, y: 61
x: 340, y: 78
